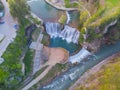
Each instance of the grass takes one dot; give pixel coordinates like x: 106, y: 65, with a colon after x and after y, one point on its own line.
x: 103, y: 16
x: 113, y: 3
x: 62, y: 19
x: 108, y: 78
x: 55, y: 71
x: 28, y: 60
x: 40, y: 71
x: 45, y: 40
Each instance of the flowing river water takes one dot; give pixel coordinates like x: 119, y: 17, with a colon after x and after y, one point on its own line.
x: 64, y: 81
x: 48, y: 13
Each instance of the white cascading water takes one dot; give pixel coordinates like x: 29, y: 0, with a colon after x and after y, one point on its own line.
x: 53, y: 29
x: 29, y: 1
x: 68, y: 33
x: 68, y: 17
x: 109, y: 25
x: 82, y: 54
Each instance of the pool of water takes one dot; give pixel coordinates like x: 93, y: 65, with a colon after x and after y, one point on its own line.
x: 44, y: 10
x: 64, y: 81
x: 51, y: 14
x: 59, y: 42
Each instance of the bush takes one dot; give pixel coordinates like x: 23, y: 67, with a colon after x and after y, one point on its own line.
x: 62, y: 19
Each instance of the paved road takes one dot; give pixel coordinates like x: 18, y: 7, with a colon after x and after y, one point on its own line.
x: 7, y: 29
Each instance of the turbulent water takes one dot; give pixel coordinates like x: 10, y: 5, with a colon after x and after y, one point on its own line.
x: 81, y: 55
x: 68, y: 17
x: 68, y: 78
x: 68, y: 33
x: 109, y: 25
x: 53, y: 29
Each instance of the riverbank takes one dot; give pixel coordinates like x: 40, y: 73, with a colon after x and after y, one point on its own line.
x: 92, y: 71
x: 59, y: 6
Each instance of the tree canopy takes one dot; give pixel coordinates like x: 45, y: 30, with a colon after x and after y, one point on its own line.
x: 19, y: 9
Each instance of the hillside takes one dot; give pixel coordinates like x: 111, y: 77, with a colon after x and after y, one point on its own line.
x: 99, y: 22
x: 108, y: 78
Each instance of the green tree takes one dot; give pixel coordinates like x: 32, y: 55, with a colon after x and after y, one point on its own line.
x: 19, y: 9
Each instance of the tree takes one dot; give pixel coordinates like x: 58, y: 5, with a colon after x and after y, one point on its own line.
x: 19, y: 9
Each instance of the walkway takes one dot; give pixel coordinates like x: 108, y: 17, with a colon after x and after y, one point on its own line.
x: 33, y: 82
x: 7, y: 29
x: 37, y: 59
x: 60, y: 5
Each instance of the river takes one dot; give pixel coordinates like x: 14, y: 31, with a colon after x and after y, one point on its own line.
x: 44, y: 10
x: 64, y: 81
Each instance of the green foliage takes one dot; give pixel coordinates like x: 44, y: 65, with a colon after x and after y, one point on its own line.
x: 106, y: 79
x: 83, y: 17
x: 62, y: 19
x: 58, y: 68
x: 67, y: 3
x: 28, y: 60
x: 94, y: 17
x: 12, y: 56
x: 35, y: 20
x: 81, y: 39
x: 100, y: 19
x: 40, y: 71
x: 11, y: 66
x: 45, y: 40
x: 3, y: 75
x: 19, y: 9
x: 52, y: 73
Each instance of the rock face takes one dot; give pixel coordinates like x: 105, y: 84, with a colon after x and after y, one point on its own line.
x: 93, y: 46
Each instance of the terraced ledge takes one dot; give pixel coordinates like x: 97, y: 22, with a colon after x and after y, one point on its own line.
x: 60, y: 7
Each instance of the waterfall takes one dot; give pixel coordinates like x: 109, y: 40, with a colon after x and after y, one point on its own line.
x: 68, y: 33
x: 29, y: 1
x: 68, y: 17
x: 53, y: 29
x: 109, y: 25
x: 82, y: 54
